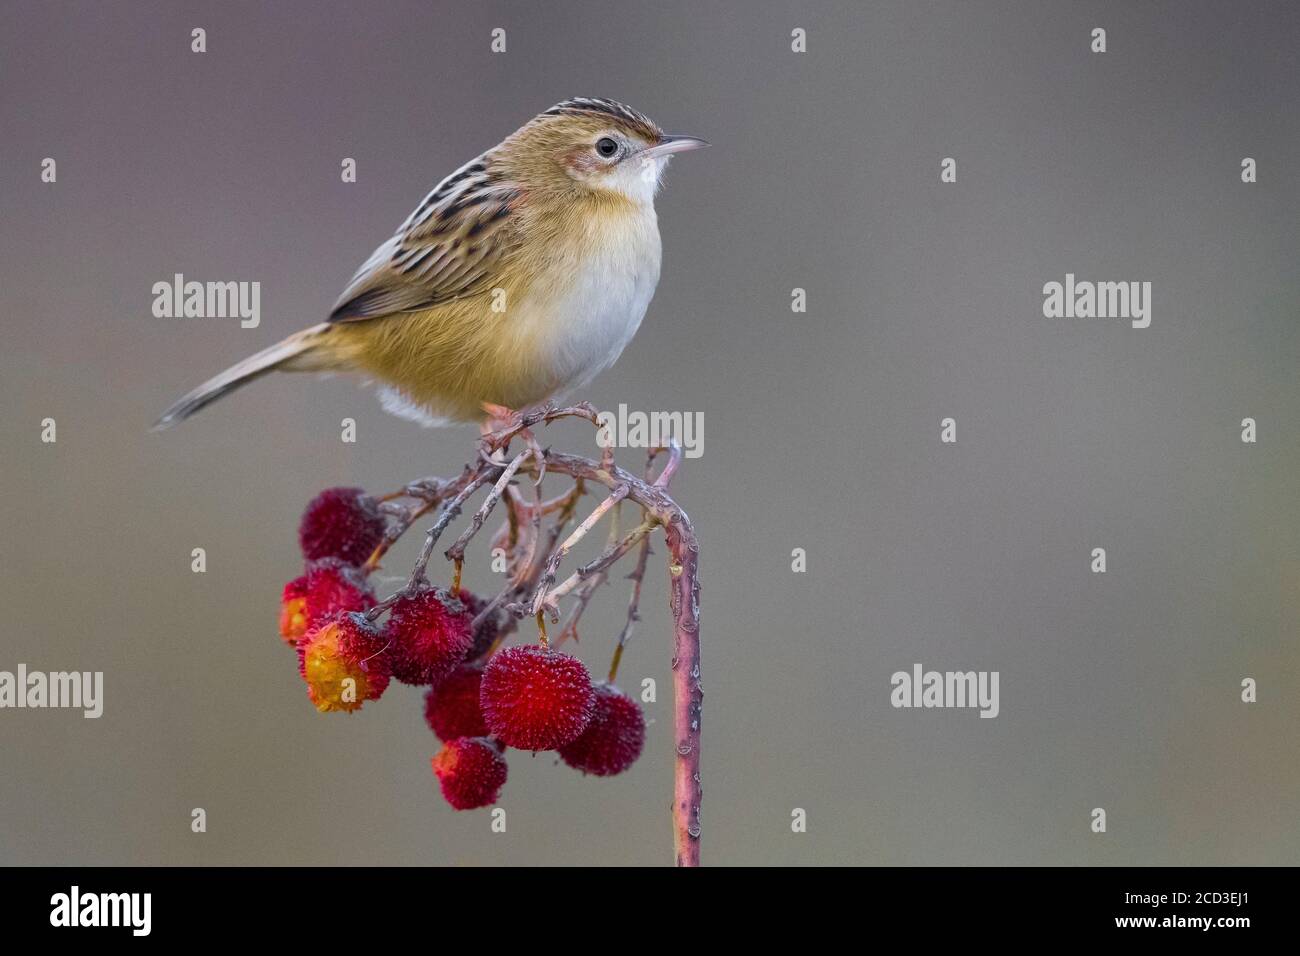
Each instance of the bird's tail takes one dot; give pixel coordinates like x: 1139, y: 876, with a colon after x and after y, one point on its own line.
x: 300, y: 352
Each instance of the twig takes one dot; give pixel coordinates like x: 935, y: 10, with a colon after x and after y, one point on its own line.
x: 636, y: 577
x: 449, y: 513
x: 558, y: 555
x: 457, y: 551
x: 429, y: 498
x: 584, y: 596
x: 607, y: 557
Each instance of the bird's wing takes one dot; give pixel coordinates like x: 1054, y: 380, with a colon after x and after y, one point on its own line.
x: 452, y: 246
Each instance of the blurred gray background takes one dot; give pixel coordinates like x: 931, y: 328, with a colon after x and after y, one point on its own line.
x: 822, y: 429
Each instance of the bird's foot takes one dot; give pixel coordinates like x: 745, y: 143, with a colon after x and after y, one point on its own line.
x: 501, y: 425
x: 499, y: 418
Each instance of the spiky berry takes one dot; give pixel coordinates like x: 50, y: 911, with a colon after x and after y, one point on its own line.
x: 485, y: 634
x: 293, y: 610
x: 429, y: 635
x: 614, y: 737
x: 452, y: 709
x: 341, y: 523
x: 328, y: 586
x: 343, y: 662
x: 534, y: 698
x: 470, y: 771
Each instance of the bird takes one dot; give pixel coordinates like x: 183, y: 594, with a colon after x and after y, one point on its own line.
x: 519, y: 278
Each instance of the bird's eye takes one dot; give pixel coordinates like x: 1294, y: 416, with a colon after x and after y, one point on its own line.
x: 606, y: 147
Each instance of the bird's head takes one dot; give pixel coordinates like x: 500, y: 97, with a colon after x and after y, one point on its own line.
x: 597, y: 145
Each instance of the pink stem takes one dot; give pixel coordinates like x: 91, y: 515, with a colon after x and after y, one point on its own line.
x: 684, y: 584
x: 688, y: 696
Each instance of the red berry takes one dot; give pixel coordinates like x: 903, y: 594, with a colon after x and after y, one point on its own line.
x: 536, y: 699
x: 470, y: 771
x: 613, y: 740
x: 293, y: 610
x: 452, y: 709
x: 340, y: 523
x: 429, y: 635
x: 328, y: 586
x: 485, y: 634
x: 343, y: 662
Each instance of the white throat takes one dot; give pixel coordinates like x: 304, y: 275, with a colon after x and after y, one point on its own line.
x: 637, y: 179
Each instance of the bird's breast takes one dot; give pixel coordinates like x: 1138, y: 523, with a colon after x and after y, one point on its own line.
x: 585, y: 311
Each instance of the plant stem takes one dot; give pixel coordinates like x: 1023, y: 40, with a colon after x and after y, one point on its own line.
x: 684, y: 584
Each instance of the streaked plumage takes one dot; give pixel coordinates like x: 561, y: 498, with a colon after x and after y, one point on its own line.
x: 521, y: 275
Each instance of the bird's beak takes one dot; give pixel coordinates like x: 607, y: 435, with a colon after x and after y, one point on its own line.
x: 673, y: 144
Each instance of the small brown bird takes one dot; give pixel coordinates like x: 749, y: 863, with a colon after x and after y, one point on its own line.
x: 522, y: 275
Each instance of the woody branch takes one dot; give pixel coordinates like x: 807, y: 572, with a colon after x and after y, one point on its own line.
x: 535, y: 560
